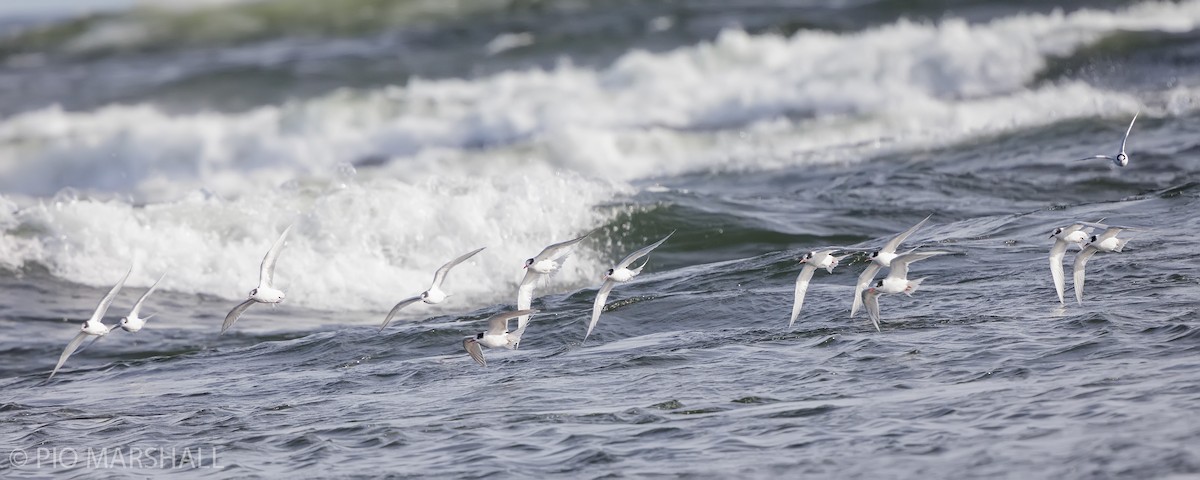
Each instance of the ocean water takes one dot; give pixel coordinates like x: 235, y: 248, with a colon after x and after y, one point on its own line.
x: 397, y: 135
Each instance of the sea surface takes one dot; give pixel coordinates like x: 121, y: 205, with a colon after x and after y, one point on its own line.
x: 395, y: 136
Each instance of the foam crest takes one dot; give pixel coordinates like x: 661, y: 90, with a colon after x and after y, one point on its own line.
x: 355, y: 246
x: 645, y: 115
x: 516, y: 160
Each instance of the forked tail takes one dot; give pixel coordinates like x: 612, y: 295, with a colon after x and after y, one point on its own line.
x: 913, y: 285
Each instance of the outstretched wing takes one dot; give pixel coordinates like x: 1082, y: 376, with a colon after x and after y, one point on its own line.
x: 266, y: 275
x: 802, y: 280
x: 1069, y: 229
x: 894, y: 243
x: 102, y: 308
x: 598, y: 306
x: 137, y: 307
x: 864, y: 279
x: 498, y: 323
x: 97, y: 339
x: 525, y: 298
x: 71, y: 347
x: 1056, y: 268
x: 396, y: 309
x: 440, y: 276
x: 900, y: 264
x: 1093, y: 157
x: 627, y: 261
x: 235, y: 314
x: 872, y: 301
x: 560, y: 250
x: 1109, y: 233
x: 1127, y: 130
x: 1081, y: 260
x: 474, y: 350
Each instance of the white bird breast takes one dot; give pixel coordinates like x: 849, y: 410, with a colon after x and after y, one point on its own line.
x: 1078, y: 236
x: 494, y: 341
x: 545, y: 266
x: 621, y: 275
x: 893, y: 285
x: 1108, y: 245
x: 268, y: 295
x: 94, y: 328
x: 884, y: 259
x: 132, y: 324
x: 433, y: 296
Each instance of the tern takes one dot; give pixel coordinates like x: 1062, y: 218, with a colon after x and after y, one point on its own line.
x: 496, y: 336
x: 619, y: 274
x: 1122, y: 158
x: 266, y: 291
x: 93, y: 327
x: 880, y: 259
x: 547, y: 262
x: 434, y: 293
x: 1076, y: 233
x: 133, y: 322
x: 896, y: 282
x: 1106, y: 242
x: 812, y: 261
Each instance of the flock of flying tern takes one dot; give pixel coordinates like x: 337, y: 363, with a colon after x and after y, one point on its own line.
x: 96, y: 329
x: 551, y: 258
x: 546, y: 262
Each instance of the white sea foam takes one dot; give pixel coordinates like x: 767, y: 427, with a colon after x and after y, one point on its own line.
x: 517, y: 159
x: 355, y: 245
x: 647, y: 114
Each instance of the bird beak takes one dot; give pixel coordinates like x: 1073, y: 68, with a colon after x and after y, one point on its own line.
x: 803, y: 260
x: 1051, y: 235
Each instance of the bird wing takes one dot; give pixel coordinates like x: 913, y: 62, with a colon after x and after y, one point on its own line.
x: 627, y: 261
x: 864, y: 279
x: 1090, y: 225
x: 498, y: 323
x: 1093, y: 157
x: 71, y: 347
x: 1056, y: 268
x: 97, y: 339
x: 1081, y: 260
x: 1109, y: 233
x: 137, y: 307
x: 598, y: 306
x: 235, y: 314
x: 440, y: 276
x: 1127, y: 130
x: 900, y: 264
x: 560, y: 250
x: 894, y: 243
x: 102, y: 308
x: 872, y: 301
x: 266, y: 275
x: 1069, y: 229
x: 802, y: 280
x: 525, y: 298
x: 396, y: 309
x: 474, y: 350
